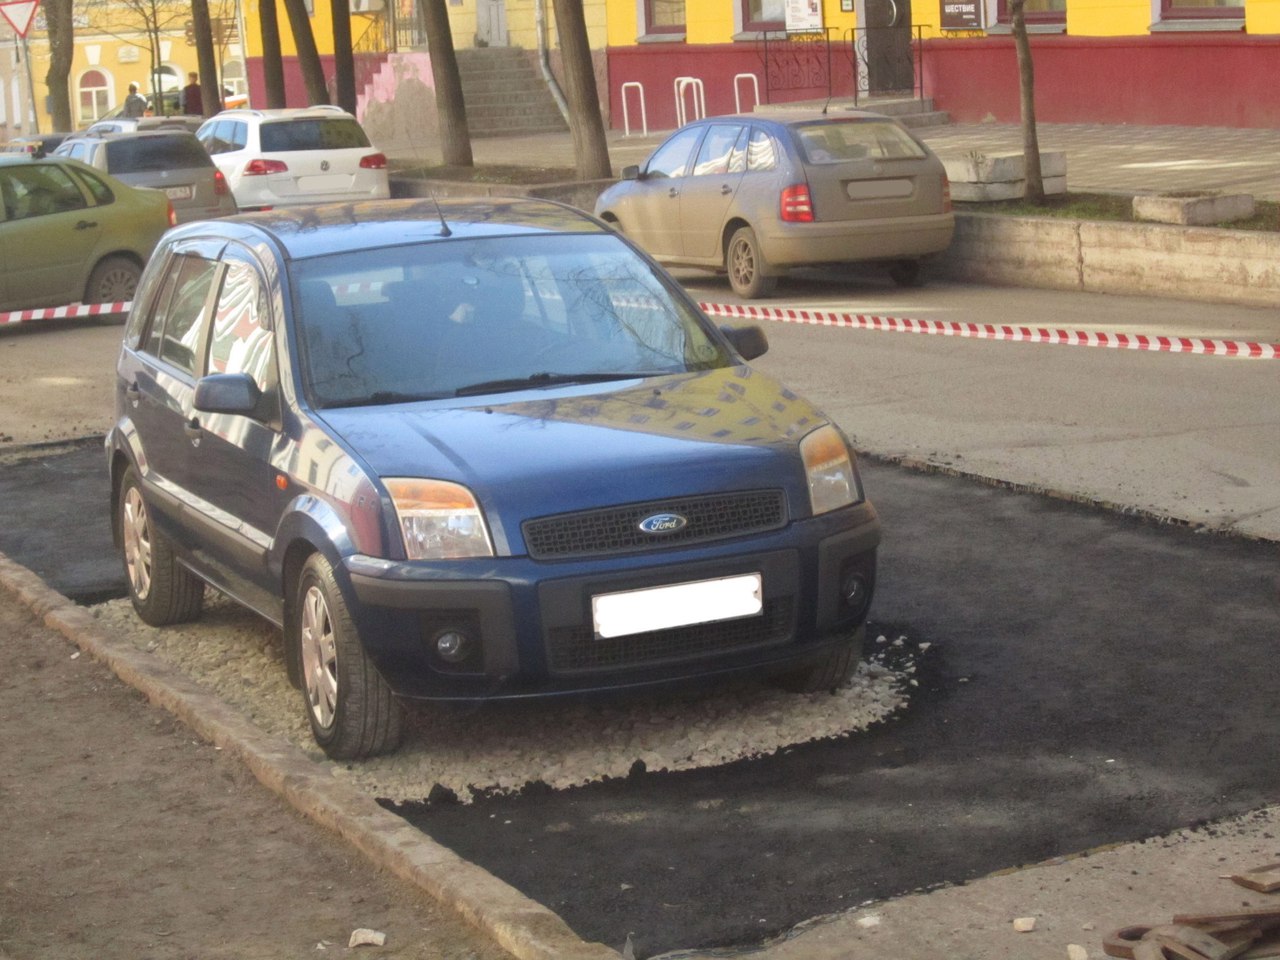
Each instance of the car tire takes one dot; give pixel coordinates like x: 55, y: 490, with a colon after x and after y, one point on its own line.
x: 352, y: 711
x: 831, y: 671
x: 114, y: 280
x: 905, y: 273
x: 161, y: 589
x: 748, y: 270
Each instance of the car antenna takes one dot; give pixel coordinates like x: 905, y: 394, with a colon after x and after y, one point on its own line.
x: 444, y: 227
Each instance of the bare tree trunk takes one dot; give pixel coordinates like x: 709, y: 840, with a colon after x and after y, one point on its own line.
x: 308, y: 55
x: 210, y: 87
x: 61, y: 49
x: 344, y: 64
x: 590, y: 149
x: 1034, y: 188
x: 272, y: 59
x: 455, y: 135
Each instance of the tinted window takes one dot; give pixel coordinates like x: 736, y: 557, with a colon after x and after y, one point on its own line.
x: 241, y: 335
x: 834, y: 142
x: 39, y: 190
x: 336, y: 133
x: 101, y: 192
x: 153, y: 154
x: 672, y: 158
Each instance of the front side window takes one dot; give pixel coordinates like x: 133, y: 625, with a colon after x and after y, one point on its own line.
x: 1035, y: 11
x: 672, y: 158
x: 40, y: 190
x: 664, y: 16
x: 242, y: 340
x: 1201, y: 9
x: 764, y: 14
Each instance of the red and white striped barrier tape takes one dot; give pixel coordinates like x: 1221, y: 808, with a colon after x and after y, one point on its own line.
x: 988, y: 331
x: 61, y: 313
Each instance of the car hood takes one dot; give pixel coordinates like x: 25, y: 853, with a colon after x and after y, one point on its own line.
x: 550, y: 451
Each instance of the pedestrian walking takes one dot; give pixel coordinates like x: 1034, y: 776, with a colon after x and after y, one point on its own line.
x: 191, y: 101
x: 135, y: 104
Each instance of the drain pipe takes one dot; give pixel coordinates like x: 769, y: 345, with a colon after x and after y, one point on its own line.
x: 544, y: 59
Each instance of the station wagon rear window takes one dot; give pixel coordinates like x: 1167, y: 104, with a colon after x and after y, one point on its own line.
x: 329, y: 133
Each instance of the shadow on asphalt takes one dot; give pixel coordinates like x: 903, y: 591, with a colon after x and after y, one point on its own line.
x: 1091, y: 678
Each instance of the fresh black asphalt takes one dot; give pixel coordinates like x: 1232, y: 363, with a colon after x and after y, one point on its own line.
x: 1090, y: 678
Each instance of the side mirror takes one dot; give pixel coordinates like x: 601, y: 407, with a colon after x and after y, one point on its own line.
x: 631, y: 172
x: 749, y: 341
x: 228, y: 393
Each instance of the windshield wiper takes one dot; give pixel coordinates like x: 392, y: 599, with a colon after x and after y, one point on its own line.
x: 386, y: 396
x: 550, y: 380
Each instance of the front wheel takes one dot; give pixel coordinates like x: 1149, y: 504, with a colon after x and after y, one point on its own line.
x: 829, y: 673
x: 748, y: 271
x: 161, y: 589
x: 905, y: 273
x: 352, y: 711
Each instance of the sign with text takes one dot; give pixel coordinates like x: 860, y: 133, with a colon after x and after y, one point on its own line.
x: 961, y: 14
x: 803, y: 16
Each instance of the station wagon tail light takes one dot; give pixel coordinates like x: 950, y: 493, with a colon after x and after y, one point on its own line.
x: 259, y: 167
x: 828, y: 464
x: 220, y: 188
x: 438, y: 520
x: 374, y: 161
x: 797, y: 207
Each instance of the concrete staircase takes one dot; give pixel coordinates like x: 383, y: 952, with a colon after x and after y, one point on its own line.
x: 505, y: 93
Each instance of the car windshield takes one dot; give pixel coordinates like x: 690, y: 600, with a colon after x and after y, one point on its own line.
x: 329, y: 133
x: 837, y: 141
x: 153, y: 154
x: 469, y: 317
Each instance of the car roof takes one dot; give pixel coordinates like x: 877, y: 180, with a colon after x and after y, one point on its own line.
x: 312, y: 231
x: 788, y: 118
x: 283, y: 113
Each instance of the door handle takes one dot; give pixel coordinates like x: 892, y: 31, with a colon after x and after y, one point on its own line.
x: 86, y: 224
x: 673, y: 192
x: 725, y: 189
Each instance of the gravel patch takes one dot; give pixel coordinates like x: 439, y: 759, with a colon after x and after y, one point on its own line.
x: 505, y: 747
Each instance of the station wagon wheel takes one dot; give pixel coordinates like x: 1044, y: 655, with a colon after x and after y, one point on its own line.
x: 829, y: 672
x: 748, y: 270
x: 352, y: 711
x: 161, y: 589
x: 905, y: 273
x: 114, y: 280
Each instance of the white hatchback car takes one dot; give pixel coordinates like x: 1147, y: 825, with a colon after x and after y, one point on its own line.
x: 285, y: 157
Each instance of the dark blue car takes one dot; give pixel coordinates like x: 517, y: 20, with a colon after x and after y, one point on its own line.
x: 464, y: 451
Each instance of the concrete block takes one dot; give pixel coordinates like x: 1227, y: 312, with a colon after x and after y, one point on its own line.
x: 966, y: 192
x: 974, y: 167
x: 1203, y: 210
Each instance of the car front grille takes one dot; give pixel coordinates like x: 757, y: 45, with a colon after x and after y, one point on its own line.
x: 577, y: 649
x: 614, y: 530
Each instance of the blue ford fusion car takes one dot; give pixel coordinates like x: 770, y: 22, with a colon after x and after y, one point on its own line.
x: 474, y: 450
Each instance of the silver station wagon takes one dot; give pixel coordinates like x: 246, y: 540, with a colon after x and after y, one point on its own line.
x: 756, y: 195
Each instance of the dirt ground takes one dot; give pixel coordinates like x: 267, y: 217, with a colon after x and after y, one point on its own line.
x: 125, y: 838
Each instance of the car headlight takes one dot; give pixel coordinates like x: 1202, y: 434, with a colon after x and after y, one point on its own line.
x: 828, y: 464
x: 438, y: 520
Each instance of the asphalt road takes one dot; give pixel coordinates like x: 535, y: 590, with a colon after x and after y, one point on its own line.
x: 1090, y: 678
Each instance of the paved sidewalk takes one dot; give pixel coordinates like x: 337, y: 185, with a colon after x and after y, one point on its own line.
x: 1100, y: 157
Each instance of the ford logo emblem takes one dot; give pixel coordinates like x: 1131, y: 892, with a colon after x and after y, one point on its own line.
x: 663, y: 523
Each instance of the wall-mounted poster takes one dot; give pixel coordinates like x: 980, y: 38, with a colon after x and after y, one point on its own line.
x: 804, y: 15
x: 961, y: 14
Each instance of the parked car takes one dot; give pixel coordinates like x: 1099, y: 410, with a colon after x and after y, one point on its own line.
x: 470, y: 451
x: 130, y: 124
x: 276, y: 158
x: 70, y: 233
x: 171, y: 161
x: 37, y: 144
x: 756, y: 195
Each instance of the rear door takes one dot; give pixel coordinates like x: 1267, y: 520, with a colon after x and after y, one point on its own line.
x: 709, y: 188
x: 868, y: 170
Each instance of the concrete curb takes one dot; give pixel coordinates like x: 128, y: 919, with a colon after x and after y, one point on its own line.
x: 525, y: 928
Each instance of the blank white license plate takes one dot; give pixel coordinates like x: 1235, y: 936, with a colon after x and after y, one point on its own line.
x: 676, y: 605
x: 178, y: 193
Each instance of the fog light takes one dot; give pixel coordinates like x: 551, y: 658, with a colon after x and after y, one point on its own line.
x: 452, y: 646
x: 854, y: 591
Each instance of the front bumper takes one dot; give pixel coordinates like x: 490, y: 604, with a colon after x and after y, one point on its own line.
x: 529, y: 629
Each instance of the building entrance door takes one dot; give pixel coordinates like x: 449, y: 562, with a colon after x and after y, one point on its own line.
x: 491, y: 23
x: 890, y: 65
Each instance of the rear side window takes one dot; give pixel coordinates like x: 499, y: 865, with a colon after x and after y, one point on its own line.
x: 328, y: 133
x: 101, y: 192
x: 177, y: 323
x: 762, y: 152
x: 224, y: 136
x: 153, y: 154
x: 836, y: 142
